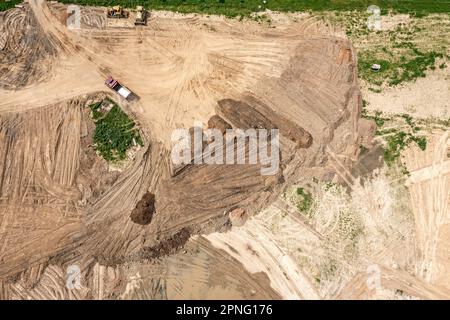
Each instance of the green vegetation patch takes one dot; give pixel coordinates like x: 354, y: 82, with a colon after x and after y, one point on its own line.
x: 402, y: 131
x: 305, y: 201
x: 396, y: 69
x: 233, y: 8
x: 377, y: 116
x: 406, y: 48
x: 5, y: 4
x: 397, y: 142
x: 351, y: 229
x: 115, y: 132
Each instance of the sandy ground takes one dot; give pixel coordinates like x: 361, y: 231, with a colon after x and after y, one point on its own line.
x: 179, y: 70
x: 424, y: 98
x: 255, y: 246
x: 198, y: 272
x: 410, y: 265
x: 295, y: 71
x: 300, y: 77
x: 52, y: 187
x: 430, y: 192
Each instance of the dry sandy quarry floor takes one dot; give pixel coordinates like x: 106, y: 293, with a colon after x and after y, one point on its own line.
x: 218, y: 231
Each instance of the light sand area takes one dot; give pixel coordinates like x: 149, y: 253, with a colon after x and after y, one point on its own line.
x: 426, y: 97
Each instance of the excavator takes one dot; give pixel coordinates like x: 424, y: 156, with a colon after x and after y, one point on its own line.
x: 141, y: 16
x: 117, y: 12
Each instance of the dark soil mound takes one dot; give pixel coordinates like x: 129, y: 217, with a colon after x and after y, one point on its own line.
x: 144, y: 210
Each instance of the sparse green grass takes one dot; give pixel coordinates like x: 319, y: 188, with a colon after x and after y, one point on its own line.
x: 350, y: 227
x: 114, y: 132
x: 377, y: 117
x: 329, y: 185
x: 376, y: 90
x: 396, y: 143
x: 406, y: 67
x: 233, y: 8
x: 396, y: 140
x: 405, y: 51
x: 305, y: 200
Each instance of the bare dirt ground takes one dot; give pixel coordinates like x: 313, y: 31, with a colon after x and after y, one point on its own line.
x: 398, y: 249
x: 62, y: 206
x: 198, y: 272
x: 430, y: 174
x: 424, y: 98
x: 179, y: 70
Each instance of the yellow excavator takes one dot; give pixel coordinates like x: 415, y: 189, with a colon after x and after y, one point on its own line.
x: 141, y: 16
x: 117, y: 12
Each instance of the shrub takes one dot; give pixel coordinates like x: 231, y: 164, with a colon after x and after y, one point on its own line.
x: 114, y: 132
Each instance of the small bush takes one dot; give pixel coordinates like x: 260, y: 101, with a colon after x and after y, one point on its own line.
x: 305, y: 202
x: 114, y: 132
x: 5, y: 5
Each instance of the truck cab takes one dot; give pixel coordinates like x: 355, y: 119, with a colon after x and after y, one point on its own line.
x: 116, y: 86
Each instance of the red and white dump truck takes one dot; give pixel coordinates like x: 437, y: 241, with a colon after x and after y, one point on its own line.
x: 120, y: 89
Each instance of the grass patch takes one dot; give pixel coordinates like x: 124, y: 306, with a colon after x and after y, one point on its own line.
x: 115, y: 132
x: 233, y: 8
x: 405, y: 50
x: 5, y: 5
x: 305, y: 201
x: 377, y: 117
x: 395, y: 144
x: 407, y: 66
x: 396, y: 140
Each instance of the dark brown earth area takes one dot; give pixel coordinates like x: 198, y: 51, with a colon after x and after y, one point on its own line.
x: 144, y: 210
